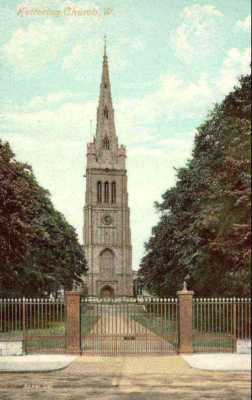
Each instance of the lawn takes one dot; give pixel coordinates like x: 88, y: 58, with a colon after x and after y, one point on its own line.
x: 49, y: 338
x: 156, y: 324
x: 87, y: 323
x: 213, y: 342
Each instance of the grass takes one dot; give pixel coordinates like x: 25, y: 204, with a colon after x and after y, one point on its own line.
x: 158, y: 325
x: 87, y: 323
x: 50, y: 338
x: 165, y: 327
x: 212, y: 342
x: 52, y: 329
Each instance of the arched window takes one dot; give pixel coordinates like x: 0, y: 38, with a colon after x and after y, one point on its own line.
x: 107, y: 262
x: 113, y: 192
x: 105, y: 111
x: 106, y: 143
x: 106, y: 192
x: 99, y: 192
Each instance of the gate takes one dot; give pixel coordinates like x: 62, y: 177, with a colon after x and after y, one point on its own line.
x: 112, y: 326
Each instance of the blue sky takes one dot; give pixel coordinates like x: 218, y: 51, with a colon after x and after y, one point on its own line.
x: 170, y: 61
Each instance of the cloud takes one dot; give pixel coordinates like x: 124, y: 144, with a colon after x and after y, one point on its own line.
x: 81, y: 55
x: 53, y: 122
x: 32, y: 47
x: 137, y: 118
x: 244, y: 24
x: 197, y: 35
x: 51, y: 100
x: 236, y: 63
x: 174, y: 97
x: 43, y: 40
x: 189, y: 97
x: 137, y: 44
x: 59, y: 113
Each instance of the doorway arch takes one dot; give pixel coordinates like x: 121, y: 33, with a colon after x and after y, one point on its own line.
x: 107, y: 291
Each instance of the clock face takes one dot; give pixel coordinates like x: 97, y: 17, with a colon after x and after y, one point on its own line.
x: 107, y: 219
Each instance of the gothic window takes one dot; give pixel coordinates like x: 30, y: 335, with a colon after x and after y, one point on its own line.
x: 113, y: 192
x: 106, y: 143
x: 106, y: 192
x: 107, y: 262
x: 105, y: 111
x: 99, y: 192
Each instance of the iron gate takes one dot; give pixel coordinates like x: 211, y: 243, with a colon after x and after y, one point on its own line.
x: 113, y: 326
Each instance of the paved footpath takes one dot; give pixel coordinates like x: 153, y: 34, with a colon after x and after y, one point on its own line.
x: 126, y: 378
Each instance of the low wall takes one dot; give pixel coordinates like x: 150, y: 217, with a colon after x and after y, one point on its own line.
x: 11, y: 347
x: 243, y: 346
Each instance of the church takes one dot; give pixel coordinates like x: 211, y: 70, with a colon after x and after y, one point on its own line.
x: 107, y: 237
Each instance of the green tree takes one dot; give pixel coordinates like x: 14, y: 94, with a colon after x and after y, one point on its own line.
x: 204, y: 227
x: 39, y: 250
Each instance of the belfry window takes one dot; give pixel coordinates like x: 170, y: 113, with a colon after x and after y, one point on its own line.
x: 106, y: 192
x: 99, y: 192
x: 105, y: 111
x: 113, y: 193
x: 106, y: 143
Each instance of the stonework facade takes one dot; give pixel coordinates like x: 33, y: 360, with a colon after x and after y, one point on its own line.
x: 107, y: 238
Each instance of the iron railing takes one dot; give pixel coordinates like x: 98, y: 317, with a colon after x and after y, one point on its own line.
x: 219, y: 322
x: 39, y: 323
x: 126, y: 325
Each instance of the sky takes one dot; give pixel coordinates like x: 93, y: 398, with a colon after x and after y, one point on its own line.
x: 170, y: 62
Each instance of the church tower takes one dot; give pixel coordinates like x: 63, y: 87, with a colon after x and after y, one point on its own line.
x: 107, y: 238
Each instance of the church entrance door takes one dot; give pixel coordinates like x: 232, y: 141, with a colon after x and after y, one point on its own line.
x: 107, y: 291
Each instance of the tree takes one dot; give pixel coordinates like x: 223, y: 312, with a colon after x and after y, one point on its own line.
x: 204, y: 228
x: 39, y: 250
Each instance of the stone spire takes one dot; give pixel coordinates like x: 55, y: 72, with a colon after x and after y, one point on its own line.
x: 105, y: 128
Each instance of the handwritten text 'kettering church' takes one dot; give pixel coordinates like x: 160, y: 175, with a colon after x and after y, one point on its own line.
x: 66, y: 12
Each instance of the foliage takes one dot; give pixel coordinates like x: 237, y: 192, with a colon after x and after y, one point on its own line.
x: 204, y: 226
x: 39, y: 250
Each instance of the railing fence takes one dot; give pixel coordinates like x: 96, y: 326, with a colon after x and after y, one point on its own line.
x: 217, y: 324
x: 40, y: 323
